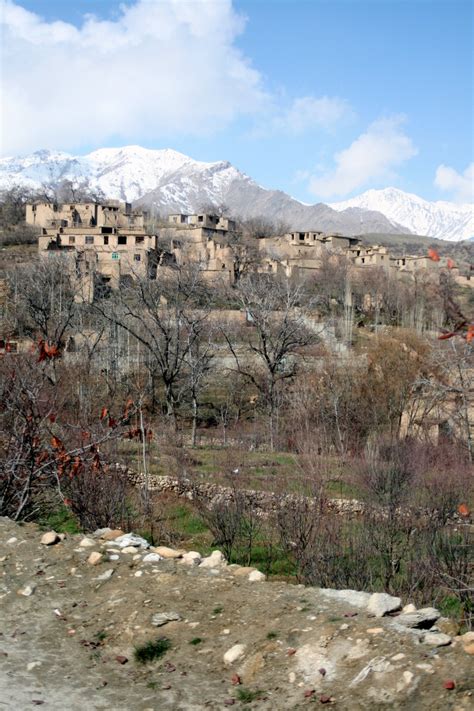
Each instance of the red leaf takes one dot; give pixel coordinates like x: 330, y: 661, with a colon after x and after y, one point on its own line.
x: 103, y: 413
x: 463, y: 510
x: 56, y: 443
x: 433, y: 255
x: 52, y: 417
x: 112, y: 422
x: 450, y: 264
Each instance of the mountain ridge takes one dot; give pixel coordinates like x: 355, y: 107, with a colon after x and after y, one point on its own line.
x: 170, y: 181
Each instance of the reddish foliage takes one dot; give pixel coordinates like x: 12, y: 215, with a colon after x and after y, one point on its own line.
x: 433, y: 255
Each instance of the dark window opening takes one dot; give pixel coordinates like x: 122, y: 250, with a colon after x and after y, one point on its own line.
x: 72, y: 239
x: 122, y: 239
x: 106, y: 239
x: 139, y: 239
x: 138, y: 257
x: 89, y: 239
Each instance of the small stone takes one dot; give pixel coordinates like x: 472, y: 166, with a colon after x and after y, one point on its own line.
x: 381, y: 604
x: 121, y: 659
x: 166, y: 552
x: 292, y: 677
x: 324, y: 699
x: 409, y: 608
x: 451, y: 627
x: 375, y: 630
x: 436, y: 639
x: 398, y: 657
x: 87, y: 543
x: 162, y: 618
x: 50, y: 538
x: 191, y: 558
x: 229, y: 702
x: 469, y: 648
x: 408, y: 677
x: 129, y: 549
x: 449, y: 684
x: 308, y: 693
x: 11, y: 541
x: 152, y: 558
x: 114, y: 556
x: 27, y: 590
x: 107, y: 575
x: 95, y: 558
x: 112, y: 535
x: 215, y: 560
x: 426, y: 668
x: 241, y: 570
x: 139, y: 573
x: 234, y: 653
x: 226, y: 631
x: 32, y: 665
x: 235, y: 680
x: 257, y: 577
x: 322, y: 671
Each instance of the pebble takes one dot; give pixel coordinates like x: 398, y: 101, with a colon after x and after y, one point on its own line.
x: 292, y: 677
x: 129, y: 549
x: 162, y: 618
x: 32, y: 665
x: 398, y: 657
x: 375, y: 630
x: 234, y: 653
x: 11, y: 541
x: 139, y: 573
x: 27, y: 590
x: 107, y: 575
x: 191, y: 558
x: 152, y: 558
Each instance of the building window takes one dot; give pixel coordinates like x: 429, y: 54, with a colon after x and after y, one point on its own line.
x: 89, y: 239
x: 200, y: 218
x: 137, y: 257
x: 122, y: 239
x: 139, y: 239
x: 115, y: 255
x: 72, y: 239
x: 106, y: 239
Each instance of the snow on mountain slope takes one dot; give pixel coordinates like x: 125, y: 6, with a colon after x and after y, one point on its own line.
x: 172, y: 182
x: 444, y: 220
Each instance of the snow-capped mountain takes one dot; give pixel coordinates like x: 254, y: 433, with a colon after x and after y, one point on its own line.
x: 444, y: 220
x: 172, y: 182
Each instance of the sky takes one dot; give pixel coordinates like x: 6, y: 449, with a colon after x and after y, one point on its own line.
x: 320, y: 98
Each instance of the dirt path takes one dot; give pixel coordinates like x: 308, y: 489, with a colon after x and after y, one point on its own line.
x: 59, y: 645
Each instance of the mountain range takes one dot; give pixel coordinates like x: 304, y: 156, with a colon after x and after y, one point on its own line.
x: 170, y: 181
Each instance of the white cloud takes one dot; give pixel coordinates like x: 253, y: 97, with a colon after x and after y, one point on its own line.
x: 460, y: 185
x: 309, y: 112
x: 370, y: 157
x: 158, y: 69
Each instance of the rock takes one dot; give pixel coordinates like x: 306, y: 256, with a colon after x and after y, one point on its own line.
x: 11, y: 541
x: 95, y: 558
x: 130, y: 539
x: 162, y: 618
x: 166, y: 552
x: 112, y: 534
x: 469, y: 648
x: 215, y: 560
x: 409, y: 608
x: 32, y: 665
x: 27, y: 590
x: 451, y: 627
x: 375, y: 630
x: 191, y: 558
x: 121, y: 659
x: 398, y: 657
x: 50, y: 538
x: 242, y: 570
x: 234, y: 653
x: 351, y: 597
x: 421, y: 619
x: 129, y: 549
x: 114, y: 556
x: 381, y: 604
x: 257, y: 577
x: 436, y: 639
x: 87, y: 543
x: 101, y: 532
x: 449, y: 684
x: 292, y: 677
x: 377, y: 664
x: 152, y: 558
x: 107, y: 575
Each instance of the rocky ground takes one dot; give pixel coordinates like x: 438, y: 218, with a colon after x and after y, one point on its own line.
x: 73, y: 611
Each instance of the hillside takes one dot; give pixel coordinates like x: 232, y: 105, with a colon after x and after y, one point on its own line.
x: 74, y: 610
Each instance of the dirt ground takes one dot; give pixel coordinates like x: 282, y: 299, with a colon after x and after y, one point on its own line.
x: 70, y: 643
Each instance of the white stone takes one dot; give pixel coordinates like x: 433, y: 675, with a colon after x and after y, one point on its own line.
x: 398, y: 657
x: 152, y: 558
x: 292, y: 677
x: 139, y: 573
x: 350, y: 597
x: 256, y: 576
x: 87, y: 543
x: 162, y: 618
x: 408, y: 677
x: 234, y: 653
x: 105, y: 576
x: 50, y: 538
x: 11, y: 541
x: 32, y: 665
x: 27, y: 590
x: 421, y: 619
x: 130, y: 539
x: 381, y: 604
x: 436, y: 639
x: 215, y: 560
x: 114, y: 556
x: 409, y: 608
x: 191, y: 558
x: 129, y: 549
x: 166, y: 552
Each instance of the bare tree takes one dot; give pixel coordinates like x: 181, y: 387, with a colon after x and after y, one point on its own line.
x: 277, y: 331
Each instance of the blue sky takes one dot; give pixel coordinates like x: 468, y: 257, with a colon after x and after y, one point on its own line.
x: 321, y: 98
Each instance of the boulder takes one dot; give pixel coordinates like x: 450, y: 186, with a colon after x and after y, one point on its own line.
x: 87, y: 543
x: 112, y: 534
x: 50, y: 538
x: 381, y: 604
x: 421, y: 619
x: 191, y: 558
x: 162, y: 618
x: 130, y: 539
x: 152, y: 558
x: 215, y: 560
x: 256, y: 576
x: 436, y: 639
x: 349, y: 597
